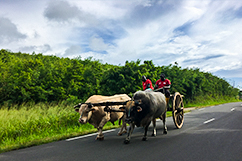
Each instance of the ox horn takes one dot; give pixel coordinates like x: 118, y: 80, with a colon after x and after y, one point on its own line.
x: 77, y: 106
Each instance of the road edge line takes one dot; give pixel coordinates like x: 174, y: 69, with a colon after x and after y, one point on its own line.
x: 209, y: 121
x: 88, y: 135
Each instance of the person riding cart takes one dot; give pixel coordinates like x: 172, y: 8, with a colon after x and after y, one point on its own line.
x: 147, y: 84
x: 163, y: 85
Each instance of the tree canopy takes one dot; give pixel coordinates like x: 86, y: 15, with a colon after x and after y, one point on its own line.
x: 39, y: 78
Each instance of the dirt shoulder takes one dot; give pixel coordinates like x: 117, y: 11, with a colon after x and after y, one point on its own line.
x: 190, y: 109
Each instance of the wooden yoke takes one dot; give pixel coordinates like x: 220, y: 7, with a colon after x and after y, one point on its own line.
x: 108, y: 104
x: 110, y: 109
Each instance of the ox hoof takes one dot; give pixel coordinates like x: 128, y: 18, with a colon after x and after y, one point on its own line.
x: 165, y: 132
x: 100, y: 138
x: 153, y: 135
x: 144, y: 139
x: 126, y: 141
x: 121, y: 133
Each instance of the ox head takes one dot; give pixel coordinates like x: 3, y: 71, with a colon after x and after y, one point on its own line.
x: 132, y: 109
x: 85, y: 110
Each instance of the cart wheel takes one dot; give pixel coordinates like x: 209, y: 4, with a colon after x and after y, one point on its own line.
x: 177, y: 110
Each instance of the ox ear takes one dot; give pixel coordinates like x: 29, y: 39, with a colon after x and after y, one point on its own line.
x: 122, y: 108
x: 138, y: 102
x: 139, y: 109
x: 77, y: 110
x: 94, y: 109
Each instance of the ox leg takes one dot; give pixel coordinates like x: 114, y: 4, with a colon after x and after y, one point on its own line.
x: 100, y: 135
x: 154, y: 129
x: 131, y: 129
x: 145, y: 134
x: 123, y: 129
x: 164, y: 123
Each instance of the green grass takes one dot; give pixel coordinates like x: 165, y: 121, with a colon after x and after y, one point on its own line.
x: 209, y: 101
x: 27, y: 126
x: 34, y: 124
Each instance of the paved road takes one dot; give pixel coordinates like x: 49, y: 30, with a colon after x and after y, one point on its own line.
x: 212, y: 133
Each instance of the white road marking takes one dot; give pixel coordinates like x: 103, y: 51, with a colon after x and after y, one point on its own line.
x: 232, y: 109
x: 209, y: 120
x: 84, y: 136
x: 201, y: 109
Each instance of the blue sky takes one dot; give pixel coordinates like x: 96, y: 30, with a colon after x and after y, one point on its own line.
x: 204, y: 34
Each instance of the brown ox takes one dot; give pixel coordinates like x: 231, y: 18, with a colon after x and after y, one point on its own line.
x: 96, y: 115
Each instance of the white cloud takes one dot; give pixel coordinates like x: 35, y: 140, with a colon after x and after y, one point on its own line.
x: 37, y: 49
x: 204, y: 34
x: 61, y: 11
x: 73, y: 51
x: 97, y: 44
x: 65, y: 12
x: 9, y: 31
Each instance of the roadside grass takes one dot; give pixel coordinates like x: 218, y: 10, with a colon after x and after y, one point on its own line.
x: 34, y: 124
x: 204, y: 101
x: 26, y: 125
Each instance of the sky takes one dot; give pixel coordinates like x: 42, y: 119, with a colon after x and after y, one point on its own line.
x: 204, y: 34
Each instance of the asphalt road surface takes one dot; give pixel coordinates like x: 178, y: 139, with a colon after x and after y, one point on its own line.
x: 211, y: 133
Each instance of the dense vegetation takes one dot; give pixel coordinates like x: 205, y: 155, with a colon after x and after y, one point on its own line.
x: 38, y: 78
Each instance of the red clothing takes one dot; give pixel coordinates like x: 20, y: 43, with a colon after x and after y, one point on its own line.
x: 146, y: 83
x: 161, y: 83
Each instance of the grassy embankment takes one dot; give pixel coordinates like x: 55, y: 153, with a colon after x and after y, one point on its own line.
x: 34, y: 124
x: 30, y: 125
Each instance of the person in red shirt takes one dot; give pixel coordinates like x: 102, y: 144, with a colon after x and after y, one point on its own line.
x: 147, y: 84
x: 163, y: 85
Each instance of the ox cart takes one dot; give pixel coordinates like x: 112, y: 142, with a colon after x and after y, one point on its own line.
x: 174, y: 104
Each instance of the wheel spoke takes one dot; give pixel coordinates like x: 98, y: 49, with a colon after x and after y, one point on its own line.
x: 180, y: 118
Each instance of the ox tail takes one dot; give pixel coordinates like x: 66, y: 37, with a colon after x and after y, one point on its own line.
x: 119, y: 121
x: 167, y: 100
x: 167, y: 104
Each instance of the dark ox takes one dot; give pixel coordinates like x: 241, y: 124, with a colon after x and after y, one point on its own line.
x: 96, y: 115
x: 145, y: 107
